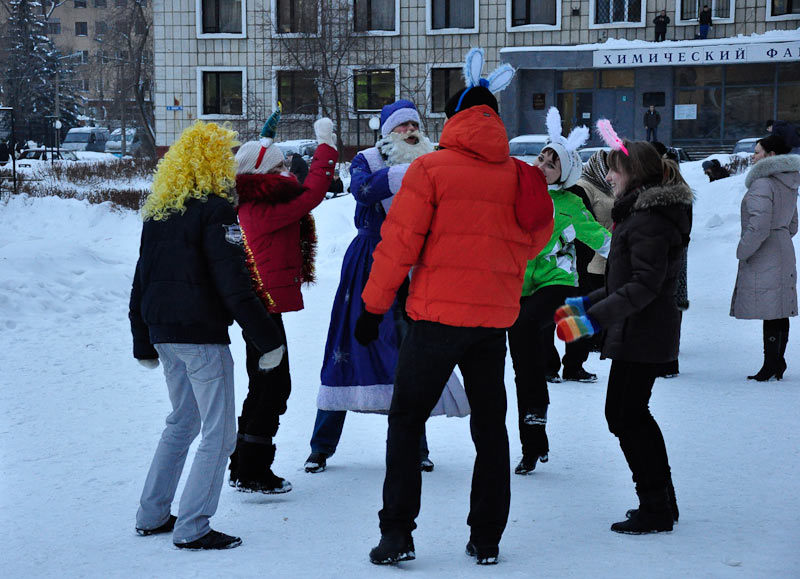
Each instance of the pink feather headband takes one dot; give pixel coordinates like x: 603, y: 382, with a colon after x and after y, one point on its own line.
x: 610, y: 137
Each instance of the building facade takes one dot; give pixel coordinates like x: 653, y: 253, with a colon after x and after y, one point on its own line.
x: 92, y: 35
x: 234, y: 60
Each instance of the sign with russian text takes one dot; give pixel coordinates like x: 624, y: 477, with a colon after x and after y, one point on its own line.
x: 685, y: 113
x: 698, y: 55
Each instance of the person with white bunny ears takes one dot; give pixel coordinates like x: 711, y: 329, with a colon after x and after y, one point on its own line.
x: 549, y: 279
x: 280, y: 242
x: 467, y: 218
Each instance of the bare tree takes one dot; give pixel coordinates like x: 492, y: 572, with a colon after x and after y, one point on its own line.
x: 317, y: 39
x: 129, y: 54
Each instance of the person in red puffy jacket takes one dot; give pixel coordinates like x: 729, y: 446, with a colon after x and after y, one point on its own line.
x: 455, y: 222
x: 280, y: 243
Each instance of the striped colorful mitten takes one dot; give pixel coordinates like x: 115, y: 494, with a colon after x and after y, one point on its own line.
x: 571, y: 328
x: 572, y: 307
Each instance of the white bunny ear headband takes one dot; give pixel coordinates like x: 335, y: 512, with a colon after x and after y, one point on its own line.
x: 499, y: 79
x: 576, y: 138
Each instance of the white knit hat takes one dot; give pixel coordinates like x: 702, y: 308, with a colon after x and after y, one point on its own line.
x: 571, y: 164
x: 263, y: 155
x: 247, y: 157
x: 566, y: 147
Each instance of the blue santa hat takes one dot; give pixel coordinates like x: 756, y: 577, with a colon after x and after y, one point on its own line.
x: 396, y: 114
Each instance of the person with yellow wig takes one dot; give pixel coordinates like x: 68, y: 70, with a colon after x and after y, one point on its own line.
x: 191, y: 282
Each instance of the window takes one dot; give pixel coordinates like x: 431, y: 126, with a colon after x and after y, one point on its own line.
x: 622, y: 78
x: 80, y: 3
x: 452, y: 14
x: 221, y: 16
x: 296, y: 16
x: 445, y: 82
x: 576, y: 79
x: 656, y: 99
x: 81, y: 29
x: 374, y: 15
x: 100, y: 28
x: 83, y: 84
x: 84, y: 56
x: 120, y: 3
x: 689, y: 10
x: 616, y: 11
x: 297, y: 92
x: 222, y: 92
x: 524, y: 12
x: 100, y: 3
x: 784, y: 7
x: 373, y: 89
x: 54, y: 26
x: 104, y: 57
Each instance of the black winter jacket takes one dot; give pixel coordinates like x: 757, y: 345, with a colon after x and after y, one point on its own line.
x: 191, y: 281
x: 637, y: 305
x: 705, y: 17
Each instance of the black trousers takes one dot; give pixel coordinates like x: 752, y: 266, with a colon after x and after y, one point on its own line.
x: 267, y: 392
x: 428, y: 355
x: 530, y: 340
x: 630, y: 385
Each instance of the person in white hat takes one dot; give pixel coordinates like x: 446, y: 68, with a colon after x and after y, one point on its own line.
x: 549, y: 279
x: 280, y: 242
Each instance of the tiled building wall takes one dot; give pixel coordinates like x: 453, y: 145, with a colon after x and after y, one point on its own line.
x: 178, y: 53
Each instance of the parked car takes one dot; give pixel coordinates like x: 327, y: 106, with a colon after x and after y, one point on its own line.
x: 305, y: 147
x: 682, y: 155
x: 32, y: 158
x: 587, y: 152
x: 527, y: 147
x: 133, y: 144
x: 746, y: 145
x: 86, y: 139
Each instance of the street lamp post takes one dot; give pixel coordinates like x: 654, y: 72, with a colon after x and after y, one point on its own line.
x: 375, y: 124
x: 13, y: 147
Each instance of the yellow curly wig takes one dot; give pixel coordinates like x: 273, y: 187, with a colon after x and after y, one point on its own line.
x: 200, y: 163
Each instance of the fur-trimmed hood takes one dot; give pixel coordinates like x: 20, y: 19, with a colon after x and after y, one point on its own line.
x: 769, y: 166
x: 270, y: 188
x: 662, y: 196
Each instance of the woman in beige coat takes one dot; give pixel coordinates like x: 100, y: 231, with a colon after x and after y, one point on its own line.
x: 766, y: 284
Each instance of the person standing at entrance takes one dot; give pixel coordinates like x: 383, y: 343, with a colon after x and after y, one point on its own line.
x: 652, y: 118
x: 661, y: 22
x: 705, y: 22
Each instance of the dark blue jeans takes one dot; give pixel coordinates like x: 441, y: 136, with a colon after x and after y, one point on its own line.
x: 427, y: 357
x: 652, y: 134
x: 328, y: 430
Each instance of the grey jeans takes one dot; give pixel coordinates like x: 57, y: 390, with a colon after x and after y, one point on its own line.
x: 200, y: 383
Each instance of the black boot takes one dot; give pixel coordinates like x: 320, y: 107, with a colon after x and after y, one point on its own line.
x: 535, y: 444
x: 673, y: 504
x: 254, y: 472
x: 392, y: 548
x: 654, y: 515
x: 774, y: 364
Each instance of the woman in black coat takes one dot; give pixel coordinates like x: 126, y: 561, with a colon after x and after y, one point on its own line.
x: 637, y: 312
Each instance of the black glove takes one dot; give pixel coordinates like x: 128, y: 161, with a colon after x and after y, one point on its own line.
x: 367, y: 327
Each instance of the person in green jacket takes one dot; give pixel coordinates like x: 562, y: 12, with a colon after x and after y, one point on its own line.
x: 550, y: 278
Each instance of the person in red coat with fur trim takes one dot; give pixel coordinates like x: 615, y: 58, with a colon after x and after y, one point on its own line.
x: 280, y: 243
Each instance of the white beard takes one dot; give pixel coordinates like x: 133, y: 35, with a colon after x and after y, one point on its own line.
x: 398, y: 152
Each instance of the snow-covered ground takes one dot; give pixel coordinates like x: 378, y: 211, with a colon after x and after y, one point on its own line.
x: 79, y: 420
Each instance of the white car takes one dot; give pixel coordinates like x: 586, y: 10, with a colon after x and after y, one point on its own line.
x: 305, y: 147
x: 527, y: 147
x: 746, y: 145
x: 38, y: 157
x: 587, y: 152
